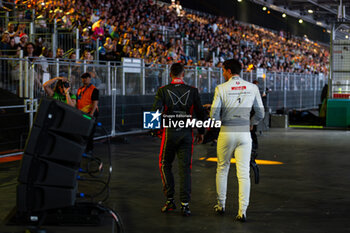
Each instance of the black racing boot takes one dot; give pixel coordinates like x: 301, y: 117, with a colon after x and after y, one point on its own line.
x: 169, y: 206
x: 185, y: 209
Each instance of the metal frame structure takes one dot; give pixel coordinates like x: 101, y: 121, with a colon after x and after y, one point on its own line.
x: 285, y: 90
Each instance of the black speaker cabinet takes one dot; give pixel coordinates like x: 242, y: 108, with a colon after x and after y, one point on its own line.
x: 53, y: 151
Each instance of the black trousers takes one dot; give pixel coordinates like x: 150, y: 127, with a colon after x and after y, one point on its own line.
x: 255, y: 143
x: 176, y: 143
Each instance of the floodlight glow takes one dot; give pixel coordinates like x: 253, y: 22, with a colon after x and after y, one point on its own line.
x: 301, y: 21
x: 284, y: 15
x: 310, y: 11
x: 264, y: 8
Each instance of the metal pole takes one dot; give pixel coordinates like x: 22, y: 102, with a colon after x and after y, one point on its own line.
x: 268, y: 96
x: 315, y: 78
x: 209, y: 80
x: 31, y: 35
x: 57, y: 67
x: 20, y: 74
x: 77, y: 44
x: 143, y: 78
x: 26, y: 66
x: 114, y: 109
x: 301, y: 94
x: 85, y: 68
x: 31, y: 93
x: 284, y: 93
x: 221, y: 79
x: 166, y: 74
x: 199, y: 51
x: 7, y: 18
x: 109, y: 78
x: 123, y: 82
x: 54, y: 38
x: 195, y: 77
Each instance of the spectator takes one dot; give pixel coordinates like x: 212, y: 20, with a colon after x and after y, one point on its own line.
x: 5, y: 44
x: 61, y: 91
x: 59, y: 53
x: 23, y: 41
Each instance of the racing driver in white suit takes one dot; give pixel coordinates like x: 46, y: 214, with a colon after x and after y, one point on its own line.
x: 233, y: 101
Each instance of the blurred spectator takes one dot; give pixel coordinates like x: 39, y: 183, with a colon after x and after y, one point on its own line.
x: 5, y: 44
x: 23, y: 41
x: 59, y: 53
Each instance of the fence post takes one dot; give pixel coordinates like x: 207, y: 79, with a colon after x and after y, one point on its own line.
x: 285, y: 91
x: 301, y: 94
x: 209, y: 80
x: 31, y: 95
x: 114, y: 96
x: 77, y: 44
x: 315, y: 78
x: 143, y: 78
x: 54, y: 38
x: 21, y: 74
x: 202, y: 48
x: 26, y: 95
x: 166, y: 74
x: 198, y: 52
x: 57, y: 67
x: 31, y: 32
x: 85, y: 68
x: 69, y: 71
x: 221, y: 79
x: 123, y: 82
x: 265, y: 86
x: 109, y: 78
x: 195, y: 77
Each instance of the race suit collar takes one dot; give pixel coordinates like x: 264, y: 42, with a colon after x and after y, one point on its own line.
x: 236, y: 76
x: 177, y: 81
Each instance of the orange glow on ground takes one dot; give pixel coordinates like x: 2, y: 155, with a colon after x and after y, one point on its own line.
x: 233, y: 160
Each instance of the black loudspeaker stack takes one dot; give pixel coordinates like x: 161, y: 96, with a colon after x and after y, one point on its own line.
x: 51, y: 159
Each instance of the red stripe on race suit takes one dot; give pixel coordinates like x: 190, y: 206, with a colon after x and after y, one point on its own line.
x: 239, y: 88
x: 161, y: 156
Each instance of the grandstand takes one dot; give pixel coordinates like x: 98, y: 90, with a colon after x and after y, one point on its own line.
x: 299, y: 59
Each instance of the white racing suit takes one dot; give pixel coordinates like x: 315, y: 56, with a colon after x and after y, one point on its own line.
x: 233, y: 101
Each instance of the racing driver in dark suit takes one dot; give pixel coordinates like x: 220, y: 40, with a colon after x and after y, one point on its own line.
x: 178, y: 102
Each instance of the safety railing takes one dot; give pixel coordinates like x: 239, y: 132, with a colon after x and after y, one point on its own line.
x: 125, y: 92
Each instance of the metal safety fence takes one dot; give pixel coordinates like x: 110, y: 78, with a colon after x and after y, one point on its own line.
x: 126, y: 92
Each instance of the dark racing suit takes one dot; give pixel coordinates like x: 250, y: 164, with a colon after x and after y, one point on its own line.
x: 172, y: 100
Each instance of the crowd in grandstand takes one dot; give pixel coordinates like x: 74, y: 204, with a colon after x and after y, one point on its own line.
x: 127, y: 29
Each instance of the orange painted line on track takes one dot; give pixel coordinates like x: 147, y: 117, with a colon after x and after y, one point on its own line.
x: 258, y: 161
